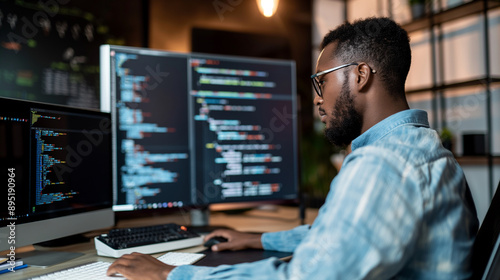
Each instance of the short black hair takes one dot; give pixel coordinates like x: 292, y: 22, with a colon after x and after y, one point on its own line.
x: 380, y: 42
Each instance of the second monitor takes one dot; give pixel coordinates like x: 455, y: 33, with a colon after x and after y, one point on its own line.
x: 197, y: 129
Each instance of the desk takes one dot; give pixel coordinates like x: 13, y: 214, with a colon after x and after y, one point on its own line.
x: 279, y: 218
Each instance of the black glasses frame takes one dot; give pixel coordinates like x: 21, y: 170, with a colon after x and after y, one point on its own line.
x: 317, y: 84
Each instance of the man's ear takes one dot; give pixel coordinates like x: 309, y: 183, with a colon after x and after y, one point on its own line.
x: 363, y: 76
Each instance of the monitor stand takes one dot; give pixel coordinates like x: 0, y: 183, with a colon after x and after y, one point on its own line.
x: 200, y: 220
x: 44, y: 258
x: 65, y: 241
x: 41, y: 258
x: 200, y: 216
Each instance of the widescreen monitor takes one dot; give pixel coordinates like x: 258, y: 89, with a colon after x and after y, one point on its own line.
x: 55, y: 163
x: 196, y: 129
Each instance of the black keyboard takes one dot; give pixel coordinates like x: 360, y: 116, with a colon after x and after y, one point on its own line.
x: 147, y: 240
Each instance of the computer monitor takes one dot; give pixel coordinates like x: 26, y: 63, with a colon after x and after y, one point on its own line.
x: 146, y: 93
x: 196, y: 129
x: 55, y: 162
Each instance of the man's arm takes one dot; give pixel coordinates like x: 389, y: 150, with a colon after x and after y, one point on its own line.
x: 283, y: 241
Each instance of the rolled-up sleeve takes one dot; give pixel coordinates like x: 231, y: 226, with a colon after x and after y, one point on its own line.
x: 284, y: 241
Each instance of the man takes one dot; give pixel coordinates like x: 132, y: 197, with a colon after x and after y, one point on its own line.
x: 398, y: 209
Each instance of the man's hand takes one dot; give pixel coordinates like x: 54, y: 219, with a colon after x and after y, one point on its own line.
x: 140, y: 266
x: 235, y: 240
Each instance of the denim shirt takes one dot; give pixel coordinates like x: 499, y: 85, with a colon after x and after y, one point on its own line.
x: 398, y: 209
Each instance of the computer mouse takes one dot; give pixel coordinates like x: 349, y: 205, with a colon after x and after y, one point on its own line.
x: 214, y: 240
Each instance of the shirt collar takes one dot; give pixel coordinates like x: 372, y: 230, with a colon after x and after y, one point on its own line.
x: 379, y: 130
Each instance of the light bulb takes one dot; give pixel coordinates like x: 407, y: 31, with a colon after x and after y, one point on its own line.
x: 268, y: 7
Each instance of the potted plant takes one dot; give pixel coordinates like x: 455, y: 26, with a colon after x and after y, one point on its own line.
x: 417, y: 8
x: 446, y: 138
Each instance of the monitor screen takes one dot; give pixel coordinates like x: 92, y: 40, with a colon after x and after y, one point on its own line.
x: 244, y: 123
x: 147, y: 94
x: 197, y: 129
x: 56, y: 164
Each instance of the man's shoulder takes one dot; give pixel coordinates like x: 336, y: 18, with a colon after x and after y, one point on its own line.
x: 410, y: 157
x: 408, y: 144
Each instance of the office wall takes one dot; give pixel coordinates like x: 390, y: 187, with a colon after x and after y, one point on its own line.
x: 327, y: 15
x: 465, y: 108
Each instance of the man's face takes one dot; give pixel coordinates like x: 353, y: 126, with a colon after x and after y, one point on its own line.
x: 336, y: 108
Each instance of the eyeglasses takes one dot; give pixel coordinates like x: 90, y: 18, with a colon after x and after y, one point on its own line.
x: 317, y: 84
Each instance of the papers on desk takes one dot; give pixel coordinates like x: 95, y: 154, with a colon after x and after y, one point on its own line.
x: 8, y: 266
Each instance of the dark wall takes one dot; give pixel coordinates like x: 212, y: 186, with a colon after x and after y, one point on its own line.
x: 238, y: 43
x: 174, y: 23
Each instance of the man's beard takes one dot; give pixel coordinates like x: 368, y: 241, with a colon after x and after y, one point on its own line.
x: 346, y: 125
